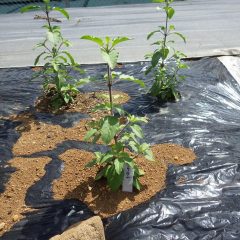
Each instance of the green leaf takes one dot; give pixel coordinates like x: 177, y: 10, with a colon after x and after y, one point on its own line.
x: 91, y: 163
x: 163, y: 28
x: 114, y: 180
x: 139, y: 119
x: 118, y: 40
x: 66, y: 43
x: 89, y: 134
x: 82, y: 81
x: 96, y: 138
x: 53, y: 37
x: 80, y: 70
x: 119, y: 109
x: 151, y: 34
x: 108, y: 40
x: 155, y: 58
x: 137, y: 184
x: 70, y: 57
x: 133, y: 79
x: 133, y: 145
x: 55, y: 66
x: 41, y: 44
x: 137, y: 130
x: 67, y: 98
x: 149, y: 155
x: 158, y: 1
x: 109, y: 129
x: 62, y: 11
x: 138, y: 172
x: 118, y: 166
x: 180, y: 35
x: 170, y: 12
x: 114, y: 74
x: 98, y: 156
x: 97, y: 40
x: 164, y: 52
x: 128, y: 160
x: 100, y: 174
x: 108, y: 169
x: 38, y: 58
x: 102, y: 106
x: 107, y: 157
x: 63, y: 58
x: 116, y: 148
x: 148, y: 70
x: 30, y: 8
x: 110, y: 58
x: 171, y: 27
x: 69, y: 88
x: 56, y: 29
x: 132, y: 135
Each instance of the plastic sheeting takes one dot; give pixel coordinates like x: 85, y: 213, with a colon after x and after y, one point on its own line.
x: 201, y: 200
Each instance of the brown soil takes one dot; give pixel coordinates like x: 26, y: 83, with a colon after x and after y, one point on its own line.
x: 12, y: 201
x: 78, y: 182
x: 84, y: 102
x: 44, y: 136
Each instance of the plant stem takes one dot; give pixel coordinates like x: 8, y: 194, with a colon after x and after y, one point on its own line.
x: 110, y: 88
x: 119, y: 134
x: 48, y: 18
x: 165, y: 34
x: 110, y: 95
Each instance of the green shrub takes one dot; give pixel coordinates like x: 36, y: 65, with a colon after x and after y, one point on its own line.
x: 58, y: 62
x: 165, y: 60
x: 119, y: 130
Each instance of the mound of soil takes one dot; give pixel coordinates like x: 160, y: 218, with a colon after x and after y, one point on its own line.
x: 78, y: 183
x: 84, y: 102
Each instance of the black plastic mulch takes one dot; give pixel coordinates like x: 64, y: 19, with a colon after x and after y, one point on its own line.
x: 206, y: 119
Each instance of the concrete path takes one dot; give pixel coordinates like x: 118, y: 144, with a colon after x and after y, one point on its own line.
x: 212, y: 28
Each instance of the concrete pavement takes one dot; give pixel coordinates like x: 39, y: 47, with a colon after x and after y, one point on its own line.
x: 211, y: 26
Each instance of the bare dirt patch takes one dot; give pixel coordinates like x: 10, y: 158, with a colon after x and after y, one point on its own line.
x: 12, y: 201
x: 38, y: 136
x: 84, y: 102
x: 78, y: 183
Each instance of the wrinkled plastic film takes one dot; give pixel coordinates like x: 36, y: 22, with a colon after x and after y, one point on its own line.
x: 206, y: 119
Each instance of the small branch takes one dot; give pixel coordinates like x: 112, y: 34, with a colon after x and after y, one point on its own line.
x: 59, y: 46
x: 110, y: 88
x: 165, y: 35
x: 119, y: 134
x: 136, y: 156
x: 47, y: 48
x: 45, y: 18
x: 48, y: 18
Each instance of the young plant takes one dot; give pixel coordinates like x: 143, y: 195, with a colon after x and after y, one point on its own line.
x: 165, y: 60
x: 119, y: 130
x: 56, y: 71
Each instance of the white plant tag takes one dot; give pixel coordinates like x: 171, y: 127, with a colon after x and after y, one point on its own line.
x: 127, y: 185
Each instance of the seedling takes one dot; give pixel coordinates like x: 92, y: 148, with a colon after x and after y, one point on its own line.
x: 119, y: 130
x: 165, y: 60
x: 58, y: 62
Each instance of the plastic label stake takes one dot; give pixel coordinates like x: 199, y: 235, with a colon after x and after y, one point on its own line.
x: 127, y: 185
